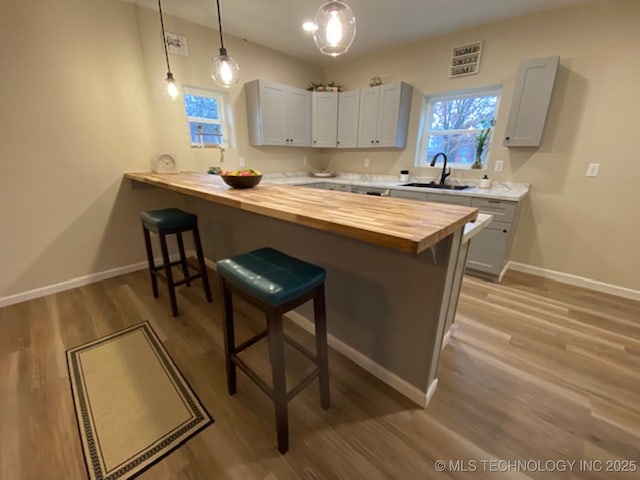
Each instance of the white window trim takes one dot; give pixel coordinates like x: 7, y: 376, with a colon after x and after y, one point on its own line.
x: 226, y: 115
x: 425, y: 119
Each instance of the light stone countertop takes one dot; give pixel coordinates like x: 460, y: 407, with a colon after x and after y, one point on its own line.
x: 499, y: 190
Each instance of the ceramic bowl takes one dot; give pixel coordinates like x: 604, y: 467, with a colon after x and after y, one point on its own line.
x: 241, y: 181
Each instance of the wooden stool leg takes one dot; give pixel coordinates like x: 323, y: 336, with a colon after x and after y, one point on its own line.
x: 183, y: 259
x: 276, y: 350
x: 203, y: 266
x: 152, y: 265
x: 168, y: 273
x: 229, y: 338
x: 319, y: 312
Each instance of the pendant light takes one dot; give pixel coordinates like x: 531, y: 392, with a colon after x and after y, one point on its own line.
x: 172, y: 88
x: 336, y: 28
x: 225, y: 70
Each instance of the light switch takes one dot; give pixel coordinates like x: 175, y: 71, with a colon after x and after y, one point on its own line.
x: 592, y: 169
x: 498, y: 166
x: 241, y: 161
x: 366, y: 162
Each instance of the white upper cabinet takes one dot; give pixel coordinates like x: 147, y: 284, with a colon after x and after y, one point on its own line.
x: 324, y: 108
x: 348, y: 109
x: 530, y: 103
x: 384, y: 115
x: 278, y: 114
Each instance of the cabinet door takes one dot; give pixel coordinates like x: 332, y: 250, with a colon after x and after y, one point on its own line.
x: 348, y: 109
x: 388, y: 110
x: 298, y: 118
x: 273, y: 113
x: 488, y: 249
x: 324, y: 107
x: 368, y: 117
x: 530, y: 103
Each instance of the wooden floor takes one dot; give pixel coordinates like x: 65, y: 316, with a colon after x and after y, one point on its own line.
x: 535, y: 371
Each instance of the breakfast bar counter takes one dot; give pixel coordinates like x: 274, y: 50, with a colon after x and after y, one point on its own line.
x: 390, y: 263
x: 395, y: 223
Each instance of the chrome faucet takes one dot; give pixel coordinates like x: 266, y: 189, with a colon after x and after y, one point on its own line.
x: 445, y: 174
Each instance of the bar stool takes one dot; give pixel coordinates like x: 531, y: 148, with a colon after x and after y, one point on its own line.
x: 166, y: 222
x: 275, y: 283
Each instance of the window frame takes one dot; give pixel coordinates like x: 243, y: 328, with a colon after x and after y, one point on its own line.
x: 224, y: 110
x: 424, y: 132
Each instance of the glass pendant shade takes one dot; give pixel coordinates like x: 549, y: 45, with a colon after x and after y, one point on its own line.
x: 225, y: 70
x: 172, y: 88
x: 336, y: 28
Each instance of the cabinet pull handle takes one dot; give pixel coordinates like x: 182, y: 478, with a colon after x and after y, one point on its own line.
x: 505, y: 231
x: 377, y: 141
x: 371, y: 141
x: 494, y: 201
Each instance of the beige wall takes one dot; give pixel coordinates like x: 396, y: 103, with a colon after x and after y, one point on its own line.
x: 75, y: 116
x: 254, y: 61
x: 572, y: 224
x: 82, y: 97
x: 82, y: 102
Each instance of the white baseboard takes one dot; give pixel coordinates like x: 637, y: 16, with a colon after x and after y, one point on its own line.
x: 405, y: 388
x: 432, y: 390
x: 577, y: 281
x: 79, y: 282
x: 69, y: 284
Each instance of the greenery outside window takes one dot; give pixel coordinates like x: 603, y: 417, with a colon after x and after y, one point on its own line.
x: 208, y: 117
x: 451, y: 123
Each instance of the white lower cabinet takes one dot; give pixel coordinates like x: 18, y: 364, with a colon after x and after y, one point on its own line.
x: 490, y: 249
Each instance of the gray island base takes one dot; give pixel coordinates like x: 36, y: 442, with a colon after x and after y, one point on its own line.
x: 386, y: 308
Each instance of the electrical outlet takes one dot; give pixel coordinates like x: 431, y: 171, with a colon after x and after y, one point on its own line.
x: 304, y: 160
x: 366, y: 162
x: 592, y: 169
x: 241, y: 161
x: 498, y: 166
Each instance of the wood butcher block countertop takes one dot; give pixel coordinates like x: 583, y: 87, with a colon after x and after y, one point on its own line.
x: 394, y: 223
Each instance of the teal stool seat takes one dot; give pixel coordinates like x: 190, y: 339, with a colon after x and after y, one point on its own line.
x: 275, y: 283
x: 169, y: 218
x: 271, y: 275
x: 173, y: 221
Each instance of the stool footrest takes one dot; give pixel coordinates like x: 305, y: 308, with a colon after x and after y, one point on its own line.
x: 303, y: 383
x: 246, y: 344
x: 303, y: 350
x: 265, y: 387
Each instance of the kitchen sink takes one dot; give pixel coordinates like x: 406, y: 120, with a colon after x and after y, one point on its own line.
x: 436, y: 185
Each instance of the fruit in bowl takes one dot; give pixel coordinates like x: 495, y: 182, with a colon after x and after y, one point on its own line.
x: 245, y: 178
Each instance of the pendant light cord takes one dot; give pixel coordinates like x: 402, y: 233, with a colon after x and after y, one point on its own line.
x: 164, y: 37
x: 219, y: 25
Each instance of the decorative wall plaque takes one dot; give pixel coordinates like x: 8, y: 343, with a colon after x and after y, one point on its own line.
x: 465, y: 60
x: 177, y: 44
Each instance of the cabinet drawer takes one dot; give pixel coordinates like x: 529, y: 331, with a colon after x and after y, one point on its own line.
x: 502, y: 210
x: 409, y: 195
x: 453, y: 199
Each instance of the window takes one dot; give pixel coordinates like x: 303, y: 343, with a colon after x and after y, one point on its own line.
x: 208, y: 117
x: 450, y: 123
